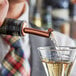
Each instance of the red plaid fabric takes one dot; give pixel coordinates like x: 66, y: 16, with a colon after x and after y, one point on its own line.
x: 15, y: 63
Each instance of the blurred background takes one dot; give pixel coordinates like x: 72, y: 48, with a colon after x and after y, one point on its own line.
x: 57, y: 14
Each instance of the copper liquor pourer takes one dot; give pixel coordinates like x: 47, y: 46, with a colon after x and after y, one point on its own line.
x: 19, y: 28
x: 38, y: 32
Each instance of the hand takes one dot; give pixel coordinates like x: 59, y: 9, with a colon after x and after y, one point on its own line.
x: 73, y: 1
x: 4, y: 5
x: 16, y: 1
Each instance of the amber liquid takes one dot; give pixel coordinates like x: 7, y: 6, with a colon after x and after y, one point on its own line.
x: 57, y: 68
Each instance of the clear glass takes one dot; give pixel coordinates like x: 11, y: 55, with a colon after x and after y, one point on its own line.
x: 57, y: 61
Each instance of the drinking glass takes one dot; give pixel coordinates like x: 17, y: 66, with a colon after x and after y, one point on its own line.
x: 58, y: 60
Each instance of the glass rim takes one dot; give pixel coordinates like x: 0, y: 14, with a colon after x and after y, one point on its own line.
x: 54, y: 48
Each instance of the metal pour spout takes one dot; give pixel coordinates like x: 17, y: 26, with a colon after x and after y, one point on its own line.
x: 38, y: 32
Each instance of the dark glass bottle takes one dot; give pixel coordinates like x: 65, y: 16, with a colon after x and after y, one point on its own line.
x: 12, y: 27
